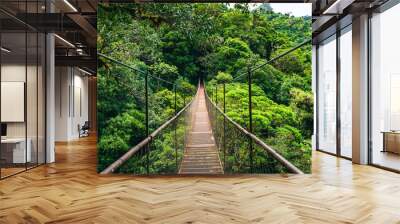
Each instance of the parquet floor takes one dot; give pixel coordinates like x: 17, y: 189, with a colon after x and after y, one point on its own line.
x: 70, y: 191
x: 11, y: 170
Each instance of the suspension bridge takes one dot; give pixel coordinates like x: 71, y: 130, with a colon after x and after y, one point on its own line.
x: 205, y: 143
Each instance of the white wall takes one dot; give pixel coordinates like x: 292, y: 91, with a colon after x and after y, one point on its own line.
x: 80, y: 112
x: 33, y: 127
x: 71, y: 102
x: 9, y: 73
x: 62, y: 82
x: 16, y: 73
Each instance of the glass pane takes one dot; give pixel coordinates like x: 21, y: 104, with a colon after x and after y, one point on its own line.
x: 385, y: 86
x: 327, y: 95
x: 346, y: 92
x: 14, y: 153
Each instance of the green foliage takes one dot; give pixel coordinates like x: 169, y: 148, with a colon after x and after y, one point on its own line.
x: 185, y: 88
x: 223, y: 77
x: 229, y: 57
x: 165, y: 72
x: 302, y: 102
x: 120, y: 133
x: 126, y: 125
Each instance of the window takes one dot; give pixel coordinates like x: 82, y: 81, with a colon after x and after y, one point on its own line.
x: 385, y: 89
x: 327, y: 95
x: 22, y: 94
x: 346, y: 92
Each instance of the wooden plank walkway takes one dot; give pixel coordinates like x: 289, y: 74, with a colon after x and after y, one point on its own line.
x: 201, y: 153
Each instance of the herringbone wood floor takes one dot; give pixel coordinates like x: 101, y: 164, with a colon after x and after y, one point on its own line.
x: 70, y: 191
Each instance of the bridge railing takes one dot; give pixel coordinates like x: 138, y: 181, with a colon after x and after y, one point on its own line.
x: 280, y: 117
x: 159, y: 153
x: 241, y: 151
x: 143, y: 120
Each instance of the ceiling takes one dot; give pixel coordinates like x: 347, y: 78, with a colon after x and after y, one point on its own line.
x: 329, y: 15
x: 74, y: 21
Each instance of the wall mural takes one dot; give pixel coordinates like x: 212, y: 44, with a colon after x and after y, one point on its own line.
x: 174, y: 83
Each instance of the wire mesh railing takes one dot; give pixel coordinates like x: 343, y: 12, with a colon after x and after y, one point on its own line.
x: 271, y: 99
x: 141, y: 130
x: 242, y: 151
x: 159, y: 153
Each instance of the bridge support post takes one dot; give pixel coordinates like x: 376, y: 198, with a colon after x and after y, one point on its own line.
x: 147, y: 120
x: 216, y: 113
x: 250, y: 121
x: 175, y: 136
x: 224, y: 143
x: 216, y: 94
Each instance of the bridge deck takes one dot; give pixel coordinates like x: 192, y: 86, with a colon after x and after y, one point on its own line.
x: 201, y: 153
